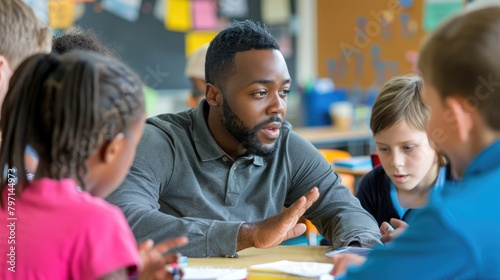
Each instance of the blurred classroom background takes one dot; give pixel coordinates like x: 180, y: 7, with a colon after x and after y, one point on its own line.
x: 338, y: 52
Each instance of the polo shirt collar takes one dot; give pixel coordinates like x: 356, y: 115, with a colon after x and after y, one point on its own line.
x: 485, y: 161
x: 205, y: 144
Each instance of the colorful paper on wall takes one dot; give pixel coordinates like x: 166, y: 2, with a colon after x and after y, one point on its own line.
x: 61, y: 13
x: 204, y: 14
x: 126, y: 9
x: 436, y: 11
x: 178, y: 15
x: 233, y: 8
x: 196, y: 39
x: 275, y: 11
x: 40, y: 7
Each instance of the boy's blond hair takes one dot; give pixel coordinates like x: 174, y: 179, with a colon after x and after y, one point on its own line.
x: 22, y: 34
x: 400, y: 99
x: 461, y: 58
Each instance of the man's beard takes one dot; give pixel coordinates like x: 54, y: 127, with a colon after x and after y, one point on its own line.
x: 246, y: 136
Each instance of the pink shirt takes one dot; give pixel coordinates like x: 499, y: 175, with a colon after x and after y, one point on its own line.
x: 55, y: 231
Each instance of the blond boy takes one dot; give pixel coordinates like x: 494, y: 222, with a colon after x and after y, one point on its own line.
x: 22, y: 34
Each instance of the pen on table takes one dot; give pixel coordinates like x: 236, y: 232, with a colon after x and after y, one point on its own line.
x: 175, y: 271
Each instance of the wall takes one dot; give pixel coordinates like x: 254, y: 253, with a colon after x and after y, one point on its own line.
x: 157, y: 54
x: 363, y: 43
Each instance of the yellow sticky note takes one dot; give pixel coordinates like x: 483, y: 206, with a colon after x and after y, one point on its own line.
x: 61, y: 13
x: 196, y: 39
x: 178, y: 17
x: 276, y: 11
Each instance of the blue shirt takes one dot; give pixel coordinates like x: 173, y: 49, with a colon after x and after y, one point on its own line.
x: 438, y: 185
x: 455, y: 237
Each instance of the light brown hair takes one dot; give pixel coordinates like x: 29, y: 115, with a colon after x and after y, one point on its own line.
x: 22, y: 34
x: 461, y: 58
x: 400, y: 99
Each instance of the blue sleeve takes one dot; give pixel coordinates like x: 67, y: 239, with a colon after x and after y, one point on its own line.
x: 429, y: 249
x: 30, y: 151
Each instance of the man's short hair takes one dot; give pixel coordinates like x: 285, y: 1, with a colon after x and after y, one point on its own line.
x: 239, y: 36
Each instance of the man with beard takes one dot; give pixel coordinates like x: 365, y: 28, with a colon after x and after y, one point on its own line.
x: 222, y: 172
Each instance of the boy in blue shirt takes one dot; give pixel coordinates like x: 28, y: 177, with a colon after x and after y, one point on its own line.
x: 456, y: 235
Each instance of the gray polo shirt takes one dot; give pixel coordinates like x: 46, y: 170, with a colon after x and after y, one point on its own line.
x: 183, y: 184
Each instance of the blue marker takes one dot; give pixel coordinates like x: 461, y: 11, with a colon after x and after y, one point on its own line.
x: 175, y: 272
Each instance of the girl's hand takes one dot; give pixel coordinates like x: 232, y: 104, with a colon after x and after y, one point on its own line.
x: 154, y: 260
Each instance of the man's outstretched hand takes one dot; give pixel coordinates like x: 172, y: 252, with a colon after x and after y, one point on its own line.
x: 274, y: 230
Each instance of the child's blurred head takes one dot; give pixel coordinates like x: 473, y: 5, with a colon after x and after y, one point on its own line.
x: 21, y: 34
x: 398, y: 124
x: 195, y: 71
x: 80, y: 39
x: 460, y: 65
x: 82, y: 112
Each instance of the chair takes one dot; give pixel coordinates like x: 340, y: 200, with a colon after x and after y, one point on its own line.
x: 331, y: 155
x: 375, y: 160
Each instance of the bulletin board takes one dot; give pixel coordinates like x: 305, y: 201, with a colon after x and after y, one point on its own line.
x: 157, y: 54
x: 363, y: 43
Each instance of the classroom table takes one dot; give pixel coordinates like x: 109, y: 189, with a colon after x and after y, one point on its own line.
x: 253, y: 256
x: 357, y: 171
x: 356, y: 141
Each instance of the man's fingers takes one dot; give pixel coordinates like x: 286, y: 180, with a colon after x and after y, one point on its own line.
x: 304, y: 202
x: 297, y: 230
x: 312, y: 196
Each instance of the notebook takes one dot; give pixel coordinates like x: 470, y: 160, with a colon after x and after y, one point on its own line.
x: 214, y: 273
x: 290, y: 270
x: 363, y: 162
x: 349, y: 250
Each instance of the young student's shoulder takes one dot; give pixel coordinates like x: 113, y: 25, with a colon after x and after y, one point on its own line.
x: 95, y: 206
x: 103, y: 228
x: 71, y: 199
x: 71, y: 205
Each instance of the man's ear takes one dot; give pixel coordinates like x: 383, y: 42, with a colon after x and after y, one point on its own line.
x: 461, y: 111
x: 212, y: 95
x: 111, y: 149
